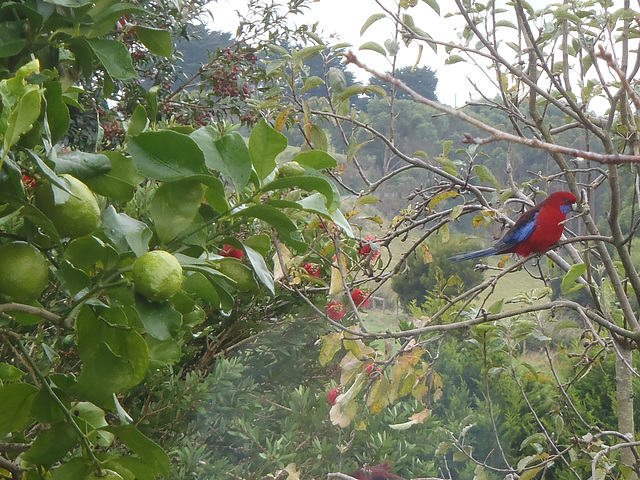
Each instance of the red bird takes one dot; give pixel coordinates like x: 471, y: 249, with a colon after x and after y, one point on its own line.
x: 535, y: 232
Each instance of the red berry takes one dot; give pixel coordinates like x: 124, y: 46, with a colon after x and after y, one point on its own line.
x: 336, y: 310
x: 28, y: 182
x: 369, y: 245
x: 370, y: 368
x: 332, y: 395
x: 313, y: 269
x: 360, y: 298
x: 231, y: 251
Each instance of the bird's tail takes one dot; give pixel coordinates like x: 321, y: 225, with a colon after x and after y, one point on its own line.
x: 476, y: 254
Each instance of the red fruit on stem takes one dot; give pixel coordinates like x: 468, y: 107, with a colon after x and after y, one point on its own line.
x: 332, y: 395
x: 313, y: 269
x: 370, y: 245
x: 370, y: 368
x: 360, y: 298
x: 231, y: 251
x: 336, y: 311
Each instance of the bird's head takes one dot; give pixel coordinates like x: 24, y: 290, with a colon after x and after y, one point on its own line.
x: 566, y: 201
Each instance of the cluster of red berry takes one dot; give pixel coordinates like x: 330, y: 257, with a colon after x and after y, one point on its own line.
x: 227, y: 68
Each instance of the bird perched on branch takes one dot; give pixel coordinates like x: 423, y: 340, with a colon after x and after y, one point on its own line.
x: 536, y: 231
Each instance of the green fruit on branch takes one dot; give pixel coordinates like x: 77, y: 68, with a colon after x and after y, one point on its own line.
x: 24, y: 272
x: 78, y: 216
x: 157, y: 275
x: 290, y: 169
x: 106, y: 475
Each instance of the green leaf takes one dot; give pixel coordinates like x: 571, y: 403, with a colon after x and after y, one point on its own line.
x: 265, y: 144
x: 90, y: 418
x: 308, y: 53
x: 392, y: 46
x: 569, y: 281
x: 166, y: 155
x: 349, y: 92
x: 75, y: 469
x: 373, y: 46
x: 370, y: 21
x: 486, y: 175
x: 22, y: 117
x: 58, y: 118
x: 454, y: 59
x: 160, y: 319
x: 137, y: 122
x: 278, y: 219
x: 126, y: 232
x: 142, y: 446
x: 496, y: 307
x: 198, y: 285
x: 82, y: 165
x: 51, y: 445
x: 260, y: 268
x: 16, y: 400
x: 235, y: 158
x: 434, y: 5
x: 310, y: 82
x: 174, y: 207
x: 12, y: 40
x: 9, y: 373
x: 46, y: 409
x: 163, y: 353
x: 120, y: 181
x: 114, y: 358
x: 115, y: 58
x: 316, y: 159
x: 157, y: 40
x: 308, y: 183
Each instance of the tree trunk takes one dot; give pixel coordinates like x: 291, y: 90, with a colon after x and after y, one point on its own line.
x: 624, y: 396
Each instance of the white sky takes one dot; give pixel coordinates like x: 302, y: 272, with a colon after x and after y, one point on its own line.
x: 344, y: 19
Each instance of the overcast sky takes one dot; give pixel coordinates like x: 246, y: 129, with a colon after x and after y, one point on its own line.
x: 344, y: 19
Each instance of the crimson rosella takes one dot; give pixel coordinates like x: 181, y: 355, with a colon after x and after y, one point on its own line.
x: 535, y: 232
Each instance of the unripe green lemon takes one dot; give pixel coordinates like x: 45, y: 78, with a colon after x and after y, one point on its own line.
x: 78, y: 216
x: 24, y: 272
x: 290, y: 169
x: 157, y: 275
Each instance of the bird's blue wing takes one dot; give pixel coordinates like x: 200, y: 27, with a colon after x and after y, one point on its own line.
x: 522, y: 230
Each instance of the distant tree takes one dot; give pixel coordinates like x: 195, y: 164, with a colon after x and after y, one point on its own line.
x: 422, y: 80
x: 437, y: 277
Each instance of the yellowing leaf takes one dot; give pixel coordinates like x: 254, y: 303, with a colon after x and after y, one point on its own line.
x: 278, y: 273
x: 331, y: 344
x: 421, y: 417
x: 336, y: 285
x: 503, y: 261
x: 378, y: 396
x: 441, y: 197
x: 427, y: 257
x: 478, y: 220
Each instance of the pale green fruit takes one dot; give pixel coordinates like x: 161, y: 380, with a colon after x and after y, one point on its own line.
x: 157, y: 275
x: 78, y: 216
x: 24, y: 272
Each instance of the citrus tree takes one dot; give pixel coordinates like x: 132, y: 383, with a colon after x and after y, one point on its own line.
x: 133, y: 230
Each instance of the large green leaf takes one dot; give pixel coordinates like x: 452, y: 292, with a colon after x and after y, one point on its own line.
x: 82, y: 165
x: 120, y: 181
x: 16, y: 400
x: 278, y: 219
x: 265, y: 144
x: 309, y: 183
x: 114, y: 358
x: 235, y: 159
x: 12, y: 40
x: 167, y: 155
x: 260, y: 268
x: 22, y: 117
x: 52, y: 444
x: 174, y: 207
x: 316, y: 159
x: 146, y: 449
x: 160, y: 319
x: 157, y: 40
x: 126, y: 232
x: 115, y: 58
x: 58, y: 118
